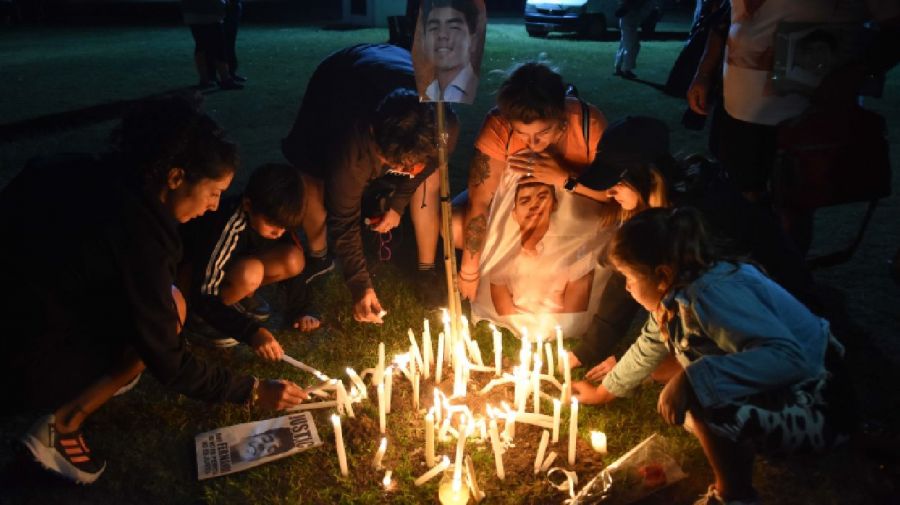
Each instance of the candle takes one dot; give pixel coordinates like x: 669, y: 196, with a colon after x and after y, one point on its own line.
x: 549, y: 461
x: 313, y: 406
x: 448, y: 336
x: 439, y: 366
x: 354, y: 378
x: 460, y: 445
x: 498, y: 352
x: 436, y: 469
x: 573, y: 430
x: 536, y: 384
x: 598, y: 441
x: 429, y: 438
x: 416, y: 353
x: 386, y: 481
x: 498, y: 449
x: 428, y: 355
x: 388, y: 388
x: 567, y: 376
x: 459, y: 384
x: 381, y: 413
x: 379, y: 454
x: 510, y: 429
x: 379, y: 370
x: 477, y: 493
x: 437, y: 406
x: 343, y: 400
x: 557, y: 405
x: 542, y: 448
x: 339, y: 442
x: 452, y: 492
x: 415, y: 391
x: 549, y: 352
x: 559, y: 346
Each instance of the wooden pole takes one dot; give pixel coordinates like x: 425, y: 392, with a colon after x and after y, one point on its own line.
x: 454, y: 305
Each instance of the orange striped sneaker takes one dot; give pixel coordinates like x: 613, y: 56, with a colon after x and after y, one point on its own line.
x: 64, y: 454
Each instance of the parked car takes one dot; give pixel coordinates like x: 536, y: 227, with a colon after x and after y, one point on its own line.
x: 588, y: 18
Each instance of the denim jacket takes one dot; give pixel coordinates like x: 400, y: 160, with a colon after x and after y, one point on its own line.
x: 735, y: 332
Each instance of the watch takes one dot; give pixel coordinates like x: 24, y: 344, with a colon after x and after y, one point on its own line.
x: 570, y: 184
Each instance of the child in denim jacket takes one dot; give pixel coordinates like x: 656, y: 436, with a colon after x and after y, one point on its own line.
x: 753, y: 376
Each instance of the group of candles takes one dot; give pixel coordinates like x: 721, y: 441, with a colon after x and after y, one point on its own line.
x: 446, y: 419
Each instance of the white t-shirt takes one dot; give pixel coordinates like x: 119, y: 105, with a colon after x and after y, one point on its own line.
x: 460, y: 90
x: 750, y: 52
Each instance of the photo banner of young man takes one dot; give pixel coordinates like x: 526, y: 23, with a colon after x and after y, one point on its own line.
x: 539, y: 264
x: 236, y: 448
x: 447, y: 49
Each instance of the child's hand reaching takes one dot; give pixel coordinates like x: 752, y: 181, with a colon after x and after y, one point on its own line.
x: 675, y: 399
x: 265, y: 346
x: 597, y: 373
x: 307, y: 323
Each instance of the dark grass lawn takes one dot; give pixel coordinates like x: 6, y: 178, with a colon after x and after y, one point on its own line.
x: 61, y: 90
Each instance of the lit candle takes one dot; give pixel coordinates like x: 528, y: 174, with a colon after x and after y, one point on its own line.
x: 598, y: 441
x: 429, y: 438
x: 436, y: 469
x: 510, y: 428
x: 549, y: 352
x: 556, y: 414
x: 439, y: 366
x: 459, y: 383
x: 567, y: 376
x: 381, y: 413
x: 339, y: 442
x: 437, y: 406
x: 453, y: 492
x: 388, y: 388
x: 344, y: 399
x: 428, y: 353
x: 448, y: 336
x: 386, y: 481
x: 416, y: 353
x: 542, y: 448
x: 498, y: 351
x: 379, y: 454
x: 354, y: 377
x: 573, y: 430
x: 498, y: 449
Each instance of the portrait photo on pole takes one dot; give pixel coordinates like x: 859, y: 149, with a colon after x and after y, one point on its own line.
x: 447, y: 49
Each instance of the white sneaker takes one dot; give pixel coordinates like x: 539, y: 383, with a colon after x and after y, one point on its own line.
x: 64, y: 454
x: 712, y: 497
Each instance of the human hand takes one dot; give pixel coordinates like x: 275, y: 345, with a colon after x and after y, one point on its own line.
x: 698, y: 93
x: 307, y: 323
x: 590, y: 394
x: 674, y: 399
x: 368, y: 309
x: 574, y: 362
x: 468, y: 285
x: 597, y: 373
x: 279, y: 394
x: 265, y: 346
x: 540, y: 167
x: 388, y: 222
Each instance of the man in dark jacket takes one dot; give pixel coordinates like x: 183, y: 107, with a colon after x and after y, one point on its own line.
x: 361, y: 122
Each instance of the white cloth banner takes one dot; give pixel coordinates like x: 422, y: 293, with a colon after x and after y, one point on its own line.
x: 539, y: 263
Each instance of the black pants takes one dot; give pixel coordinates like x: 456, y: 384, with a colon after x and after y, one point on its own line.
x: 209, y: 40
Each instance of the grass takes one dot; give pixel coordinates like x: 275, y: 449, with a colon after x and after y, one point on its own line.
x: 63, y: 76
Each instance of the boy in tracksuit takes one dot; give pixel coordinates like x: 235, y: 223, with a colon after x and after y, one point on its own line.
x: 246, y: 243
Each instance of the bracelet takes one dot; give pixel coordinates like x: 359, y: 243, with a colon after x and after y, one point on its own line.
x: 468, y: 278
x: 254, y: 393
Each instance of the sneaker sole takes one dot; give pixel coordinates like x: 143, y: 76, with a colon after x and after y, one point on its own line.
x: 320, y: 273
x: 54, y: 462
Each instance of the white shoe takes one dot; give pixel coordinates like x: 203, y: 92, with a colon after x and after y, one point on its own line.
x: 64, y: 454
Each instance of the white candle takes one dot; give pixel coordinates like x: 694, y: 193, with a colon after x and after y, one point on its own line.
x: 416, y: 353
x: 459, y: 382
x: 313, y: 406
x: 436, y: 469
x: 354, y: 377
x: 344, y: 399
x: 557, y: 406
x: 379, y: 370
x: 548, y: 461
x: 460, y: 446
x: 381, y: 413
x: 598, y: 441
x: 536, y: 384
x: 339, y: 442
x: 510, y: 428
x: 549, y: 352
x: 437, y: 406
x: 439, y: 366
x: 573, y: 430
x: 415, y: 391
x: 448, y: 336
x: 428, y: 353
x: 429, y: 438
x: 477, y: 493
x: 498, y: 449
x: 567, y: 376
x: 542, y: 448
x: 498, y: 352
x: 388, y: 388
x: 386, y: 481
x: 379, y: 454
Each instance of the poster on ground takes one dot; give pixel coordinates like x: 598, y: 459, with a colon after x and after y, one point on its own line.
x: 236, y: 448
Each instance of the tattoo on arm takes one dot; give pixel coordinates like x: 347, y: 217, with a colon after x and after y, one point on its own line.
x: 480, y: 169
x: 476, y: 230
